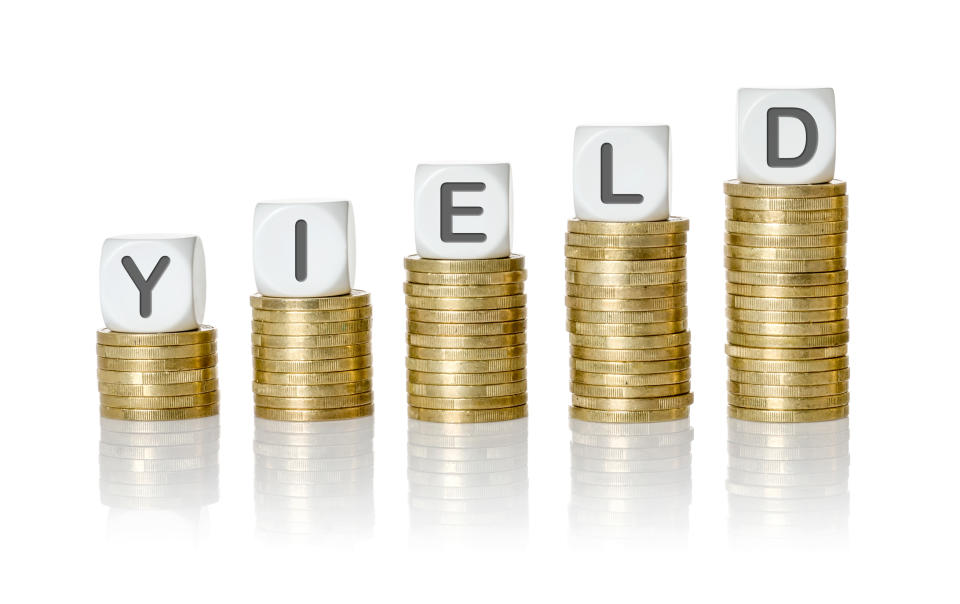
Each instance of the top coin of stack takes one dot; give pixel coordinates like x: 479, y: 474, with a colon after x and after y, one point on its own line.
x: 311, y: 357
x: 627, y: 318
x: 466, y: 336
x: 787, y: 301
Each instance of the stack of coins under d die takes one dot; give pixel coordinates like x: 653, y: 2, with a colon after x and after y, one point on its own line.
x: 158, y: 376
x: 466, y: 336
x: 627, y: 318
x: 787, y: 301
x: 311, y: 357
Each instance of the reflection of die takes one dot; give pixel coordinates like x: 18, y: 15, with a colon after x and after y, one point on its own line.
x: 786, y: 136
x: 463, y: 211
x: 304, y: 249
x: 621, y: 174
x: 152, y: 283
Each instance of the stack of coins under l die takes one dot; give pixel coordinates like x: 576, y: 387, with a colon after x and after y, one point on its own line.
x: 466, y: 336
x: 627, y: 318
x: 311, y: 357
x: 787, y: 301
x: 158, y: 376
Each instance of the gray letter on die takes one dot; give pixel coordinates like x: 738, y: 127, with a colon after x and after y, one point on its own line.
x: 606, y: 180
x: 448, y: 211
x: 145, y: 286
x: 773, y: 137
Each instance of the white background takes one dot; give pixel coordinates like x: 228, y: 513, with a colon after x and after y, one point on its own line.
x: 179, y: 116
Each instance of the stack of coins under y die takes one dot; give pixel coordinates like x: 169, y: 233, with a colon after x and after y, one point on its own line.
x: 787, y: 301
x: 466, y: 336
x: 627, y: 318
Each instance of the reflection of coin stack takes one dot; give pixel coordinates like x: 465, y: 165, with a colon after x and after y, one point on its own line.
x: 630, y: 482
x: 788, y: 481
x: 158, y: 376
x: 787, y: 301
x: 311, y: 357
x: 627, y: 318
x: 314, y: 480
x: 468, y: 481
x: 466, y: 336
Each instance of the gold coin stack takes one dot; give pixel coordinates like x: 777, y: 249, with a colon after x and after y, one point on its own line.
x: 466, y: 336
x: 627, y: 318
x: 787, y: 301
x: 158, y: 376
x: 311, y: 357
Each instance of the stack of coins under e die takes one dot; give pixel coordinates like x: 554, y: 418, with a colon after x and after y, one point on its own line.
x: 311, y: 357
x: 158, y: 376
x: 787, y: 301
x: 627, y: 318
x: 466, y: 336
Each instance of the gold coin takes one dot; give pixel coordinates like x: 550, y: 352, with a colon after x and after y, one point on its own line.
x: 615, y: 305
x: 740, y: 339
x: 780, y: 229
x: 147, y: 415
x: 774, y: 316
x: 785, y: 266
x: 630, y: 280
x: 788, y: 241
x: 625, y: 253
x: 467, y: 354
x: 156, y: 377
x: 356, y: 298
x: 312, y: 316
x: 789, y: 329
x: 485, y: 265
x: 814, y: 415
x: 788, y: 280
x: 467, y: 416
x: 742, y: 189
x: 312, y: 415
x: 788, y: 304
x: 466, y: 278
x: 442, y: 391
x: 465, y: 304
x: 462, y: 291
x: 149, y: 353
x: 313, y: 379
x: 633, y: 404
x: 630, y: 368
x: 326, y: 341
x: 652, y: 227
x: 629, y: 417
x: 631, y: 343
x: 645, y: 316
x: 788, y: 403
x: 626, y: 241
x: 626, y: 266
x: 630, y: 391
x: 429, y: 341
x: 644, y: 355
x: 775, y: 291
x: 785, y: 354
x: 311, y: 354
x: 314, y: 402
x: 487, y: 402
x: 762, y: 390
x: 205, y: 334
x: 466, y: 329
x: 785, y: 253
x: 630, y: 293
x: 813, y: 378
x: 788, y: 366
x: 626, y: 329
x: 786, y: 216
x: 188, y: 363
x: 634, y: 380
x: 467, y: 316
x: 158, y: 389
x: 309, y: 329
x: 313, y: 391
x: 786, y: 204
x: 492, y: 366
x: 159, y: 402
x: 321, y: 366
x: 466, y: 379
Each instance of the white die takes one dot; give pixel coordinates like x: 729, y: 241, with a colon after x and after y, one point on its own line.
x: 786, y: 136
x: 463, y: 211
x: 304, y: 249
x: 152, y: 283
x: 621, y: 174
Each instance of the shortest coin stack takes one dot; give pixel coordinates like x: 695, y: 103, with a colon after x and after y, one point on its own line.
x: 466, y: 336
x: 158, y: 376
x: 311, y: 357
